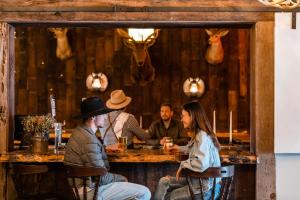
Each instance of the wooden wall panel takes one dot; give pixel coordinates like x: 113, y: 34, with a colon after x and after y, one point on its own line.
x: 177, y: 55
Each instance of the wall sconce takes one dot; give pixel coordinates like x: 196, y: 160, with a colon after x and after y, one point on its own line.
x: 283, y: 4
x: 97, y: 82
x: 193, y: 87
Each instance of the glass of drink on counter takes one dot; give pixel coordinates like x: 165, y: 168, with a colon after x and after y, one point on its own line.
x: 123, y: 143
x: 57, y: 139
x: 168, y: 143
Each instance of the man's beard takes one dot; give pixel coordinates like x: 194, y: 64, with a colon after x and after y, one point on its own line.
x: 166, y: 120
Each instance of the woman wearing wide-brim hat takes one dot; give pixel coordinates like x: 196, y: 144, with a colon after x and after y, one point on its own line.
x: 119, y: 123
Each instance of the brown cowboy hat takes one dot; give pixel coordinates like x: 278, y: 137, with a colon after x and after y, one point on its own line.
x: 118, y: 100
x: 93, y: 106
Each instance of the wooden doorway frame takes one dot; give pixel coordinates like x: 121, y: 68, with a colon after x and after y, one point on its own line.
x: 261, y: 71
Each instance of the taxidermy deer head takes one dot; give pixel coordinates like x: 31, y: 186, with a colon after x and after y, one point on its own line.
x: 63, y: 50
x: 215, y: 52
x: 141, y: 68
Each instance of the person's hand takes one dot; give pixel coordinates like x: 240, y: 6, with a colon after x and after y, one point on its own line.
x: 175, y: 147
x: 162, y: 141
x: 178, y: 173
x: 113, y: 148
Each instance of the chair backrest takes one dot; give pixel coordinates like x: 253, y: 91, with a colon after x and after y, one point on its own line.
x: 225, y: 172
x: 84, y: 173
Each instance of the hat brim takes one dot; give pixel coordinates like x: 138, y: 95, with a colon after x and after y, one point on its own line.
x: 94, y: 113
x: 111, y: 105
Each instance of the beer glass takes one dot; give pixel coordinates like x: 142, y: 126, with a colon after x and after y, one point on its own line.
x: 168, y: 143
x: 123, y: 143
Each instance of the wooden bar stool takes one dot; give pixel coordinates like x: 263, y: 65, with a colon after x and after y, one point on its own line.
x: 84, y: 173
x: 226, y: 173
x: 22, y: 173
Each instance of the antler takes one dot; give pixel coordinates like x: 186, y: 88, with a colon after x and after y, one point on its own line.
x: 129, y: 41
x: 150, y: 40
x: 63, y: 49
x: 57, y: 31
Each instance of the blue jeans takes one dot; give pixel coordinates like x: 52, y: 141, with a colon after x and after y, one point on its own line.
x: 169, y: 188
x: 124, y: 191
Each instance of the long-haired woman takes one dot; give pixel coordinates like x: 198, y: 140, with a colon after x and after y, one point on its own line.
x: 203, y: 153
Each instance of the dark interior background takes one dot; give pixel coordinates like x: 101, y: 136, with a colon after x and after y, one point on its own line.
x: 177, y: 54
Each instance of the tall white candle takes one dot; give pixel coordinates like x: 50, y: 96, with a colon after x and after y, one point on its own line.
x: 141, y: 121
x: 52, y: 105
x: 214, y: 122
x: 230, y: 127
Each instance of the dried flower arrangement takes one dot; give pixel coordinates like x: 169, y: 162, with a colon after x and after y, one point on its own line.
x: 38, y: 125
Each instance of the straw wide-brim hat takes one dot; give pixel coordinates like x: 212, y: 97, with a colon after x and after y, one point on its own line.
x: 92, y: 106
x: 118, y: 100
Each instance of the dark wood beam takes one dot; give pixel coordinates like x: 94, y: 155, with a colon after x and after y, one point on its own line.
x: 130, y: 18
x: 137, y: 6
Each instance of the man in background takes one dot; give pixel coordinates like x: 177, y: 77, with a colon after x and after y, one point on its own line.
x: 118, y: 123
x: 165, y: 127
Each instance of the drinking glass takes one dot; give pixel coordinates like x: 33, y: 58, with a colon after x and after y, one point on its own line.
x: 123, y: 143
x: 168, y: 143
x: 57, y: 139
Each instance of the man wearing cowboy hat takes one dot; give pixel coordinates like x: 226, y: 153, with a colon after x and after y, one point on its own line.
x: 119, y: 123
x: 84, y: 149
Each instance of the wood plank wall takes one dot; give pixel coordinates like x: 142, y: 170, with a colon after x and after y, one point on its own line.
x: 177, y: 54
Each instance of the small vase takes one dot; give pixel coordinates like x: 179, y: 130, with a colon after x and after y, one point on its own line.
x: 39, y: 144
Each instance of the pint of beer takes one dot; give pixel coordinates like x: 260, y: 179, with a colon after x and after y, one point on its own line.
x: 123, y: 143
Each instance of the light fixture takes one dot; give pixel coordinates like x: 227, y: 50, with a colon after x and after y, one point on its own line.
x: 139, y: 40
x: 193, y: 87
x: 97, y: 82
x: 284, y: 4
x: 134, y: 36
x: 141, y: 34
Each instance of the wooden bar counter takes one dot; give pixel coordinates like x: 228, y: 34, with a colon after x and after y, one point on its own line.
x: 228, y: 154
x: 145, y: 166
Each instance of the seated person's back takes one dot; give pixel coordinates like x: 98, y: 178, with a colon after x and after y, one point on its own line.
x: 120, y: 123
x: 84, y: 149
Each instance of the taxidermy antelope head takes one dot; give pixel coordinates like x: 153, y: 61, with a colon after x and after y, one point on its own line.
x: 215, y: 52
x: 141, y: 68
x: 63, y: 50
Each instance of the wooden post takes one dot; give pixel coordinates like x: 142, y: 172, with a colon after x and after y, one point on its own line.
x: 262, y: 106
x: 6, y: 97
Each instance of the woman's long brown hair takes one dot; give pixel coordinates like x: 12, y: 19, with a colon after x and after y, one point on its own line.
x: 200, y: 121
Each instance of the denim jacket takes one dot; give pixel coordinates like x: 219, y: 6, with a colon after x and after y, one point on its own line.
x: 202, y: 155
